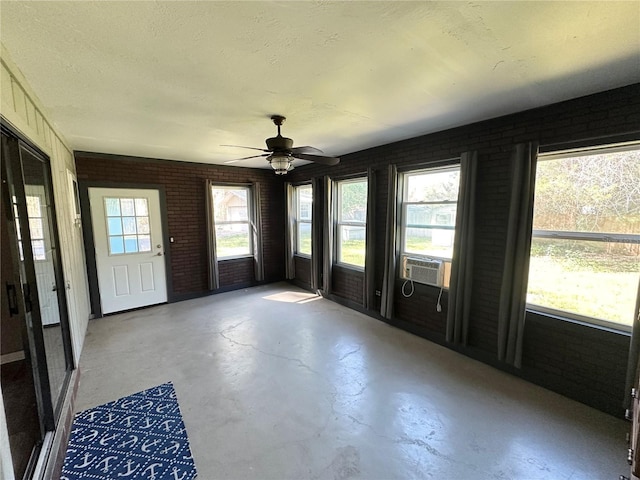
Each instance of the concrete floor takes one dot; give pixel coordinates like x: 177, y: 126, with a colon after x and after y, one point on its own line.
x: 276, y: 383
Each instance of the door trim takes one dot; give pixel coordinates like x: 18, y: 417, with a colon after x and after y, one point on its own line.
x: 89, y: 248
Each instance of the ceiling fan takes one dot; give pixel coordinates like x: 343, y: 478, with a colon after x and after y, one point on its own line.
x: 280, y: 151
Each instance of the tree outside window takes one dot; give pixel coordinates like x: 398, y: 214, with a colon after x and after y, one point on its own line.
x: 585, y: 251
x: 304, y: 202
x: 351, y: 222
x: 429, y: 206
x: 231, y: 219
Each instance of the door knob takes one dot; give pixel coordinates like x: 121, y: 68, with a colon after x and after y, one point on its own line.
x: 53, y: 287
x: 159, y: 254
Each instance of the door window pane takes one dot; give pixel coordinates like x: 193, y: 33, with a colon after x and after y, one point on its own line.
x: 114, y: 226
x: 130, y: 244
x: 144, y: 243
x: 128, y: 225
x: 116, y: 245
x: 38, y: 250
x: 141, y: 207
x: 127, y: 207
x: 112, y: 207
x: 142, y: 224
x: 36, y: 225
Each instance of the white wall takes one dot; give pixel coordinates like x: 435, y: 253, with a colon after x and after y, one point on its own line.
x: 22, y: 109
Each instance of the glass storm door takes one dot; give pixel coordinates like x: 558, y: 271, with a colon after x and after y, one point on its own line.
x: 37, y: 295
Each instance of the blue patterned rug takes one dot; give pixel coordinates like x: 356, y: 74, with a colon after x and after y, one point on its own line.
x: 141, y: 436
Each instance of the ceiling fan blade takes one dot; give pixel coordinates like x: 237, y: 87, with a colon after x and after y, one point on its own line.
x: 317, y: 158
x: 250, y: 148
x: 306, y: 149
x: 247, y: 158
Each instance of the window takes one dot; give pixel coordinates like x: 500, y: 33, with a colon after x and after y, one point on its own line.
x: 351, y: 231
x: 36, y: 227
x: 304, y: 202
x: 232, y: 221
x: 429, y: 206
x: 585, y: 248
x: 127, y: 225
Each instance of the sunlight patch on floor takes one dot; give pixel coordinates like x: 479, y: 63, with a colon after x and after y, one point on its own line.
x: 293, y: 297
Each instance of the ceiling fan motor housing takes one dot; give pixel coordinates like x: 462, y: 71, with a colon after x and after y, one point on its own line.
x: 279, y: 144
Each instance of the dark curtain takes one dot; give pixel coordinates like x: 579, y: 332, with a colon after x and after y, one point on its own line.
x: 463, y: 253
x: 516, y: 264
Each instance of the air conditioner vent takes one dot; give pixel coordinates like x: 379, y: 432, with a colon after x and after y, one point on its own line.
x: 422, y: 270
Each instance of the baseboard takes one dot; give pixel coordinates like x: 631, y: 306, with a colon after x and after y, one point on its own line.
x: 12, y: 357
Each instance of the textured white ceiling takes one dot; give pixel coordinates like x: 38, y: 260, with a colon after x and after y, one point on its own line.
x: 176, y: 80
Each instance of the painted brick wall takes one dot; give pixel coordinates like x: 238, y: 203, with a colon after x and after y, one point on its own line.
x: 184, y: 184
x: 420, y: 309
x: 575, y: 360
x: 348, y: 283
x: 303, y: 272
x: 608, y: 114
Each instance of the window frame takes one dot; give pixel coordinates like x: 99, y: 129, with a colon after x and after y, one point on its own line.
x: 338, y: 223
x: 298, y: 220
x: 402, y: 218
x: 565, y: 315
x: 248, y: 221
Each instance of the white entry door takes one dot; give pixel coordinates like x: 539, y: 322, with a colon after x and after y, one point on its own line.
x: 128, y: 240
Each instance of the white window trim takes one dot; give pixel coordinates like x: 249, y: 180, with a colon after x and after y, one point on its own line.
x: 298, y: 221
x: 236, y: 222
x: 337, y: 223
x: 563, y: 315
x: 405, y: 203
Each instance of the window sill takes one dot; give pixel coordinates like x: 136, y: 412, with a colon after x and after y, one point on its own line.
x: 302, y: 255
x: 241, y: 257
x: 577, y: 320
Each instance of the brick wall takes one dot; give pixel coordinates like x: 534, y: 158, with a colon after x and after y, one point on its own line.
x: 576, y: 360
x: 239, y: 271
x: 348, y: 283
x: 303, y: 272
x: 184, y: 184
x: 584, y: 121
x: 420, y: 309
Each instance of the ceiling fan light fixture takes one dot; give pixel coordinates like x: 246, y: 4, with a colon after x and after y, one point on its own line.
x: 280, y: 163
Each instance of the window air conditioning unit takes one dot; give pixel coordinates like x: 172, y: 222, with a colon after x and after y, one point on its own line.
x: 422, y: 270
